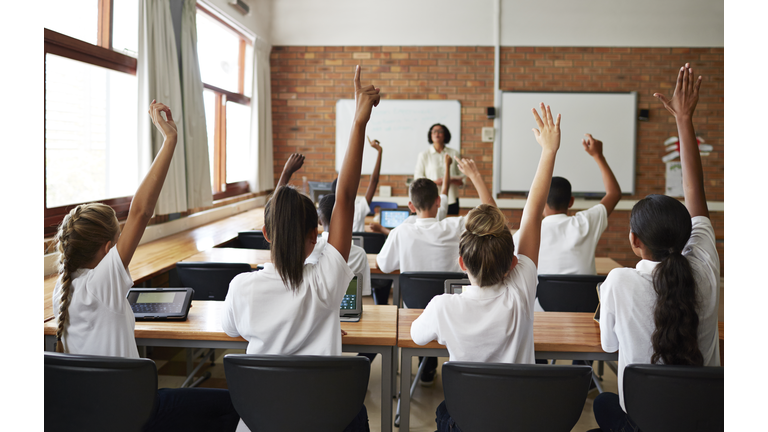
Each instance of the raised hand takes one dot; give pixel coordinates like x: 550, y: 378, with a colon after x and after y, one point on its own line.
x: 375, y: 144
x: 294, y: 163
x: 548, y: 133
x: 365, y: 99
x: 166, y: 127
x: 468, y: 168
x: 448, y: 160
x: 592, y: 146
x: 686, y: 95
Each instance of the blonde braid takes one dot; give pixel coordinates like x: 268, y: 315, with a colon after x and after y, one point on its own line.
x: 62, y: 238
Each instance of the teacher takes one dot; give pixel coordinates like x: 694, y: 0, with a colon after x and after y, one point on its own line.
x: 431, y: 164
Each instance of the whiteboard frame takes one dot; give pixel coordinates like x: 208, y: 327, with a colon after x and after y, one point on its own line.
x: 498, y: 149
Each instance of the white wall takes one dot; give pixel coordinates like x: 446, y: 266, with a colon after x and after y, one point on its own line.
x: 686, y: 23
x: 257, y: 20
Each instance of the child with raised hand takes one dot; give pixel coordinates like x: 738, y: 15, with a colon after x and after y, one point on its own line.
x: 665, y: 309
x: 363, y: 204
x: 292, y: 308
x: 492, y: 319
x: 93, y: 314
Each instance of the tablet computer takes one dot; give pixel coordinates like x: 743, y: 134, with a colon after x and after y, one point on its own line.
x: 391, y: 218
x: 352, y: 303
x: 160, y: 303
x: 455, y: 286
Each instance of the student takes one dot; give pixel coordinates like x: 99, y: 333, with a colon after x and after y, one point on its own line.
x: 568, y: 243
x: 442, y: 210
x: 292, y: 308
x: 93, y: 314
x: 427, y: 244
x: 363, y: 204
x: 492, y: 319
x: 665, y: 309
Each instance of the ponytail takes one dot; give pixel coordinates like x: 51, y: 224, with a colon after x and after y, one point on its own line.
x: 288, y: 218
x: 663, y: 224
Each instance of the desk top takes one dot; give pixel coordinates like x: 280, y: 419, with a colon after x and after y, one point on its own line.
x: 604, y: 265
x: 552, y: 331
x: 161, y: 255
x: 377, y: 326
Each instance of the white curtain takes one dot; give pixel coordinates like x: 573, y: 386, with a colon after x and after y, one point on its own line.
x: 188, y: 182
x: 261, y: 176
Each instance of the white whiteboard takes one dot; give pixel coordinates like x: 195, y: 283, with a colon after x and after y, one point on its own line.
x: 609, y: 117
x: 401, y: 126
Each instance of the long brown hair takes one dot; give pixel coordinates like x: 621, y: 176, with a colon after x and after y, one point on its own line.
x: 288, y: 218
x: 86, y: 229
x: 486, y: 245
x: 663, y: 224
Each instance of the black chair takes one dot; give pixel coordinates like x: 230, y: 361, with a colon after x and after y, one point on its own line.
x: 252, y: 240
x: 491, y: 397
x: 662, y: 398
x: 372, y: 242
x: 209, y: 280
x: 96, y: 393
x: 297, y: 393
x: 568, y: 293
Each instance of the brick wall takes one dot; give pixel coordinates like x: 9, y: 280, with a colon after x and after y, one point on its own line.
x: 307, y: 82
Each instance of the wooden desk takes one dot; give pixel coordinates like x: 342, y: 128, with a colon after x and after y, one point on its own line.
x: 161, y: 255
x: 375, y: 332
x: 604, y: 265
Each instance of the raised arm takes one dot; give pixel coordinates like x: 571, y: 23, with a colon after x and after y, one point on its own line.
x: 349, y: 178
x: 447, y: 176
x: 594, y: 148
x: 469, y: 169
x: 293, y: 164
x: 145, y: 198
x: 548, y: 136
x: 375, y: 174
x: 682, y: 106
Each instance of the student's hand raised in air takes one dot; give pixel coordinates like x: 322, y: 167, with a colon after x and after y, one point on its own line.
x: 294, y: 163
x: 592, y: 146
x: 468, y: 168
x: 166, y: 127
x: 448, y: 160
x: 548, y: 133
x: 365, y: 99
x: 375, y: 144
x: 686, y: 95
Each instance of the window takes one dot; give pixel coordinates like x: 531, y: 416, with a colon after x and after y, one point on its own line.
x: 90, y: 106
x: 226, y: 67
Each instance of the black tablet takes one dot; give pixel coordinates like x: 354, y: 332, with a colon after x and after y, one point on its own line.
x: 160, y: 303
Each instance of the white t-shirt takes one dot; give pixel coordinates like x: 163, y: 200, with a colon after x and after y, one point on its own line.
x: 358, y: 261
x: 362, y: 208
x: 627, y: 302
x: 491, y: 324
x: 568, y: 243
x: 431, y: 165
x: 424, y: 245
x: 101, y: 321
x: 277, y: 320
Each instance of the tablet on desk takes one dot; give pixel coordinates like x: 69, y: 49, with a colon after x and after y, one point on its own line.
x: 352, y: 303
x: 160, y: 303
x: 391, y: 218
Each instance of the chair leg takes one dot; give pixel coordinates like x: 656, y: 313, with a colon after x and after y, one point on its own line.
x: 600, y: 369
x: 411, y: 390
x: 596, y: 380
x: 191, y: 374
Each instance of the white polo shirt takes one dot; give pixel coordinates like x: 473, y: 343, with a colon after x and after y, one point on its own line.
x: 568, y: 243
x: 490, y: 324
x: 101, y: 321
x: 277, y: 320
x: 431, y: 165
x: 424, y: 245
x: 627, y: 302
x: 358, y: 261
x: 362, y: 208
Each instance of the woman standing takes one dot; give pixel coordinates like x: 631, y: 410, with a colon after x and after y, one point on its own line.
x: 431, y: 164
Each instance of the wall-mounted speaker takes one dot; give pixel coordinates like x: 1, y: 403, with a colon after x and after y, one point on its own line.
x: 240, y: 5
x: 491, y: 112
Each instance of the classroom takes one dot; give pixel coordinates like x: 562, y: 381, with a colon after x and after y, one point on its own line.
x: 272, y: 80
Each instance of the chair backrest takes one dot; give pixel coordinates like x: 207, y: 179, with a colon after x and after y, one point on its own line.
x: 418, y: 288
x: 675, y: 398
x: 252, y: 240
x: 297, y: 393
x: 96, y: 393
x: 492, y: 397
x: 568, y: 293
x: 209, y: 280
x: 372, y: 242
x: 382, y: 204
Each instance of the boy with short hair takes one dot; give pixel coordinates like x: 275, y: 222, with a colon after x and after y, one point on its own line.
x: 568, y: 243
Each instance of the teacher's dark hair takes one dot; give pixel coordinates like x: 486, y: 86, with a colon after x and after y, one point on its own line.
x: 446, y: 132
x: 663, y: 224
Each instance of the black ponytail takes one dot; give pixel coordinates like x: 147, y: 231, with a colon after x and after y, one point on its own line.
x: 663, y: 224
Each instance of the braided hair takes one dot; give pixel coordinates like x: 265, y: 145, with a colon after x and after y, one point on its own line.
x: 81, y: 234
x: 486, y: 245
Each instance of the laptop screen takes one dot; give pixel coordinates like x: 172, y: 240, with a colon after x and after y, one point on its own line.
x: 391, y: 218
